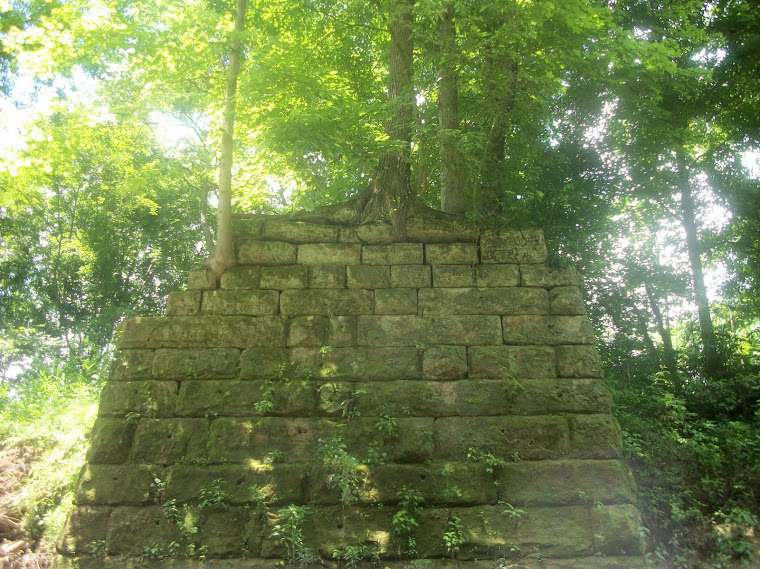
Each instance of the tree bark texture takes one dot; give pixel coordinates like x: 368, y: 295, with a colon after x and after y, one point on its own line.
x: 669, y: 354
x: 223, y: 256
x: 452, y: 183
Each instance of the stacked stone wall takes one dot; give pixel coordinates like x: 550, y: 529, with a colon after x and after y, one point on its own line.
x: 459, y: 365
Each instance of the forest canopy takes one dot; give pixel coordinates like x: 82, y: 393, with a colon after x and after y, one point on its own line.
x: 627, y: 129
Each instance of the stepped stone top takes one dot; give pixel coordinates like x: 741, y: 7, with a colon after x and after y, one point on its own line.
x: 436, y: 400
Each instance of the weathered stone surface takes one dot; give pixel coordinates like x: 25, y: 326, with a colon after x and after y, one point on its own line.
x: 566, y: 482
x: 341, y: 331
x: 131, y: 529
x: 511, y: 300
x: 505, y: 437
x: 110, y: 441
x: 562, y: 395
x: 413, y: 330
x: 375, y: 363
x: 547, y: 276
x: 183, y: 303
x: 526, y: 246
x: 326, y: 302
x: 85, y: 527
x: 166, y: 441
x: 459, y: 276
x: 374, y: 233
x: 253, y: 252
x: 550, y: 330
x: 214, y: 363
x: 281, y: 278
x: 451, y: 254
x: 132, y: 364
x: 566, y: 300
x: 329, y: 253
x: 201, y: 278
x: 248, y: 226
x: 578, y: 361
x: 497, y: 275
x: 369, y: 276
x: 441, y: 230
x: 226, y: 532
x: 240, y: 302
x: 116, y: 485
x: 444, y: 362
x: 393, y: 254
x: 411, y: 276
x: 596, y: 436
x: 616, y: 530
x: 144, y: 398
x: 516, y: 362
x: 262, y: 362
x: 327, y: 276
x: 396, y: 301
x: 203, y: 332
x: 307, y: 331
x: 298, y: 232
x: 245, y: 277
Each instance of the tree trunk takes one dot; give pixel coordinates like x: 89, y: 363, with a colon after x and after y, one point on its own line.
x: 712, y: 363
x: 452, y: 184
x: 391, y: 188
x: 223, y: 256
x: 669, y: 354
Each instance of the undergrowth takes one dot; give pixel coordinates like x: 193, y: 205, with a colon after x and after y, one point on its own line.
x: 46, y: 414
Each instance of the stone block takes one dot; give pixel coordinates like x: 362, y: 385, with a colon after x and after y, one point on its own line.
x: 444, y: 362
x: 369, y: 276
x: 280, y: 483
x: 396, y: 301
x: 411, y: 276
x: 203, y: 332
x: 183, y: 303
x: 377, y: 363
x: 166, y: 441
x: 595, y: 436
x: 249, y: 226
x: 245, y: 277
x: 566, y: 300
x: 515, y: 362
x: 326, y: 302
x: 288, y: 397
x: 224, y: 532
x: 116, y: 485
x: 548, y: 276
x: 550, y: 330
x: 110, y: 441
x: 505, y: 437
x: 263, y: 363
x: 374, y: 233
x: 566, y: 482
x: 341, y: 331
x: 298, y: 232
x: 329, y: 254
x: 414, y: 330
x: 308, y: 331
x: 254, y: 252
x: 526, y: 246
x: 578, y: 361
x: 425, y: 230
x: 240, y: 302
x: 616, y: 531
x: 284, y: 277
x: 133, y: 364
x: 511, y: 300
x: 562, y: 395
x: 448, y: 276
x: 132, y: 528
x: 327, y: 276
x: 85, y: 526
x: 145, y: 398
x: 393, y: 254
x: 451, y: 254
x: 497, y: 275
x: 201, y: 278
x: 213, y: 363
